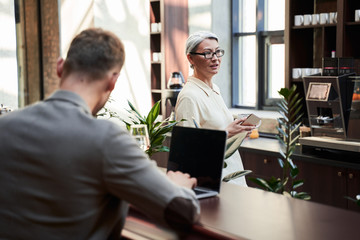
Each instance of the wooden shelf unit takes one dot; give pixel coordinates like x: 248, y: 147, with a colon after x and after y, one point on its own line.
x: 305, y: 46
x: 169, y: 43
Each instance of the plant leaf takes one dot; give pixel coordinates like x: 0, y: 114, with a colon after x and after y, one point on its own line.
x: 158, y: 141
x: 282, y: 153
x: 284, y: 92
x: 138, y: 115
x: 298, y: 118
x: 161, y: 149
x: 294, y: 172
x: 283, y: 107
x: 280, y: 121
x: 285, y: 193
x: 294, y: 114
x: 281, y: 162
x: 280, y: 139
x: 297, y: 183
x: 262, y: 183
x: 235, y: 175
x: 294, y: 140
x: 294, y: 129
x: 292, y: 100
x: 284, y: 116
x: 302, y: 195
x: 291, y: 163
x: 285, y: 181
x: 233, y: 144
x: 225, y: 165
x: 279, y: 186
x: 282, y: 131
x: 153, y: 114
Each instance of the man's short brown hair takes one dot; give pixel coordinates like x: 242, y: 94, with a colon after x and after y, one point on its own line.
x: 94, y: 52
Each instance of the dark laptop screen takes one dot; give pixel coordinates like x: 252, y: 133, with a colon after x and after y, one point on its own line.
x: 199, y: 152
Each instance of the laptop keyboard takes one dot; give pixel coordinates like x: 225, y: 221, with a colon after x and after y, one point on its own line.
x: 197, y: 191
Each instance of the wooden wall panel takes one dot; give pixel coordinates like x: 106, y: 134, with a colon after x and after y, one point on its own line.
x: 177, y: 31
x: 32, y: 52
x: 42, y: 48
x: 50, y: 44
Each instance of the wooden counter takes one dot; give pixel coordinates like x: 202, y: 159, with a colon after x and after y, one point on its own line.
x: 249, y: 213
x: 271, y: 147
x: 328, y: 175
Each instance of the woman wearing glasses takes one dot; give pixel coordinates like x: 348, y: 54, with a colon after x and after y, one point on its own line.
x: 200, y: 101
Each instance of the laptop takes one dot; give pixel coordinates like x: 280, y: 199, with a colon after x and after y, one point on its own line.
x: 199, y: 152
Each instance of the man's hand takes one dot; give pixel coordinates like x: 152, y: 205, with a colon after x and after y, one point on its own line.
x: 182, y: 179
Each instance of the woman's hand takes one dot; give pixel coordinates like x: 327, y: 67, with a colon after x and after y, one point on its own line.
x: 235, y: 127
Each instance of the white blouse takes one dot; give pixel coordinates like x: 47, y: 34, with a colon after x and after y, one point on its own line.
x: 206, y: 105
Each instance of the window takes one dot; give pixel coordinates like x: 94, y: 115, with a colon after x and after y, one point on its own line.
x: 258, y: 52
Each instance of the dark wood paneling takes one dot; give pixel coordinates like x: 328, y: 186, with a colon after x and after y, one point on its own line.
x: 325, y: 5
x: 353, y: 187
x: 32, y: 51
x: 325, y: 184
x: 263, y: 166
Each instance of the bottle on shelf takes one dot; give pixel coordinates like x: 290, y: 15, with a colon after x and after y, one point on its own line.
x: 333, y: 53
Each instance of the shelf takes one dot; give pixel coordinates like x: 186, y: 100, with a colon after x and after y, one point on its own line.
x: 156, y: 91
x: 307, y: 46
x: 315, y: 26
x: 297, y: 80
x: 172, y: 17
x: 352, y: 23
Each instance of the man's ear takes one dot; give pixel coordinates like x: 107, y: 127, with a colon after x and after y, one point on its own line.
x: 112, y: 82
x: 59, y: 66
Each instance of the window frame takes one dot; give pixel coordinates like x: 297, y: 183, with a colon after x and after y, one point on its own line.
x: 262, y: 39
x: 268, y: 38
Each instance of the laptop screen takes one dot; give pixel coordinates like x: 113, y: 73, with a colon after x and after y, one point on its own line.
x: 199, y: 152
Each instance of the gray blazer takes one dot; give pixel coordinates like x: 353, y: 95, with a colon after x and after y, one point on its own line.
x: 67, y: 175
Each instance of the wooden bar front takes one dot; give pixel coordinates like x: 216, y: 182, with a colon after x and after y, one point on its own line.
x: 249, y: 213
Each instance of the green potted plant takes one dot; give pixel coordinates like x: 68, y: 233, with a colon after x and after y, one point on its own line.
x: 290, y: 110
x: 157, y: 130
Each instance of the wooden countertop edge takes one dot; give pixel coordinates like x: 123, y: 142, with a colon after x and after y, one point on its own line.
x: 138, y: 228
x: 257, y: 147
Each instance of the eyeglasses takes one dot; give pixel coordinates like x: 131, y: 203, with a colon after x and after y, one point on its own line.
x: 209, y: 55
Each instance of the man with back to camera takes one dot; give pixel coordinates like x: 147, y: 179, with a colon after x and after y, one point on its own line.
x: 67, y: 175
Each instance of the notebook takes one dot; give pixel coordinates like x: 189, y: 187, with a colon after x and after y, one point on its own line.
x: 199, y: 152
